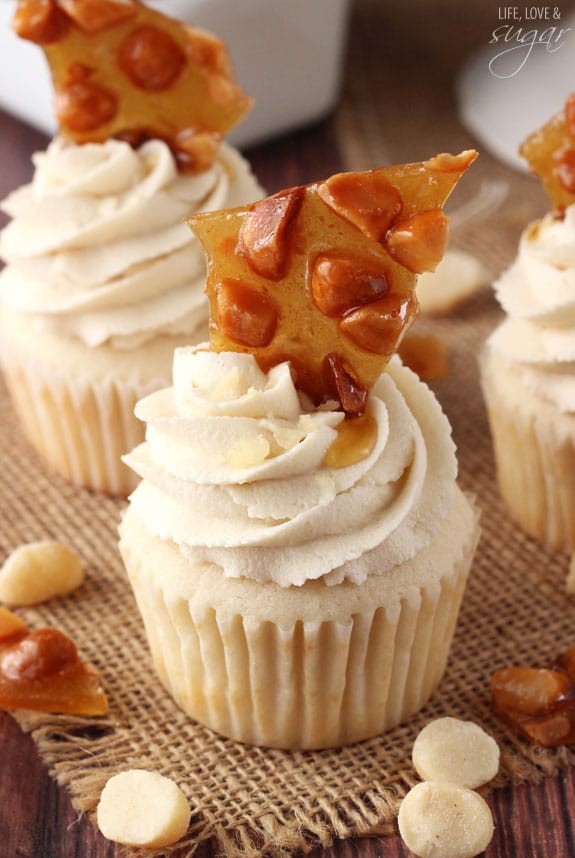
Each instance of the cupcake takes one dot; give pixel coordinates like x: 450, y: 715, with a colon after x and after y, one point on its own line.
x: 298, y: 545
x: 103, y: 279
x: 528, y: 364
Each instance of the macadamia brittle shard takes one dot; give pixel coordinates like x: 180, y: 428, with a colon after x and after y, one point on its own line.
x: 323, y: 275
x: 41, y: 670
x: 121, y: 69
x: 550, y: 152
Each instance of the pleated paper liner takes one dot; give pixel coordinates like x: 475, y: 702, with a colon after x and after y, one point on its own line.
x: 308, y: 667
x: 76, y: 403
x: 534, y: 448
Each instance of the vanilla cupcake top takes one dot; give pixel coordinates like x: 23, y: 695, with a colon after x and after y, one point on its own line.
x: 98, y: 248
x: 538, y: 290
x: 241, y: 470
x: 538, y: 293
x: 283, y: 453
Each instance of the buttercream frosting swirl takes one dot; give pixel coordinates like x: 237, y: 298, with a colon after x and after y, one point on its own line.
x: 538, y: 294
x: 98, y: 248
x: 234, y: 472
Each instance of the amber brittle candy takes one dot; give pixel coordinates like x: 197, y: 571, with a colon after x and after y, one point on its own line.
x: 42, y: 671
x: 323, y: 275
x: 550, y: 153
x: 426, y: 355
x: 538, y: 702
x: 121, y: 69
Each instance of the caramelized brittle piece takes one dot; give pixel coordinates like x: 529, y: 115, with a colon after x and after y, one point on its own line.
x: 426, y: 355
x: 10, y: 624
x: 121, y: 69
x: 323, y: 275
x: 550, y: 152
x: 566, y: 662
x: 42, y: 671
x: 538, y: 702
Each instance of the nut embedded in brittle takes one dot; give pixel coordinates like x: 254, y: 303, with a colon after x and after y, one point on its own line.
x: 39, y: 654
x: 93, y: 16
x: 566, y: 170
x: 83, y: 105
x: 339, y: 283
x: 247, y: 317
x: 151, y: 58
x: 264, y: 235
x: 418, y: 242
x: 378, y: 327
x: 538, y: 702
x: 39, y: 21
x: 368, y: 200
x: 343, y: 385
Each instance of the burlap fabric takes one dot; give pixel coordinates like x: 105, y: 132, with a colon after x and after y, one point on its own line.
x: 254, y: 801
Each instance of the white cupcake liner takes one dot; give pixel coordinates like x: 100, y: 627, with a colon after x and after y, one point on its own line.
x: 76, y: 403
x: 314, y: 682
x: 80, y: 428
x: 534, y: 446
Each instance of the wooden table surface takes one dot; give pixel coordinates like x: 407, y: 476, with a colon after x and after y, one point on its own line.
x: 36, y: 816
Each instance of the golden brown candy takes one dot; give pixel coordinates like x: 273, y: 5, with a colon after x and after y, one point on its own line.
x: 93, y: 16
x: 418, y: 242
x: 151, y: 58
x: 83, y: 105
x: 355, y: 441
x: 39, y: 21
x: 144, y: 75
x: 550, y: 152
x: 37, y: 655
x: 42, y: 671
x: 332, y: 265
x: 338, y: 282
x: 368, y: 200
x: 264, y: 237
x: 245, y: 316
x: 538, y: 702
x: 426, y: 355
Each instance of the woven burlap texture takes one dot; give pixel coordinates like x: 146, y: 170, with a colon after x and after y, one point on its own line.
x: 255, y: 801
x: 252, y: 800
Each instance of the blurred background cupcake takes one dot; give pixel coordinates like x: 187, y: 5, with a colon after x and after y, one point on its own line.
x: 103, y: 279
x: 528, y: 365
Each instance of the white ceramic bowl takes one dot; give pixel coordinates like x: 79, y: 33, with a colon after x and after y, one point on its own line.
x: 508, y: 89
x: 286, y: 55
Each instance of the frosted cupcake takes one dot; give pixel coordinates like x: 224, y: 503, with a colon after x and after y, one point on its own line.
x: 298, y: 545
x: 528, y: 366
x: 103, y: 279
